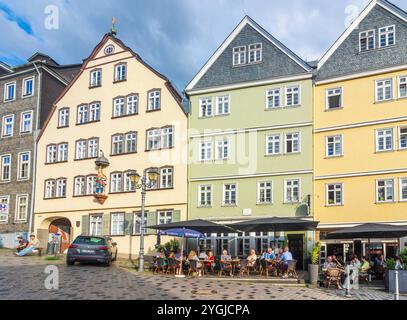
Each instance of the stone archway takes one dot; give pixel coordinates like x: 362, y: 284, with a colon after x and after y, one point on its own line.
x: 60, y: 225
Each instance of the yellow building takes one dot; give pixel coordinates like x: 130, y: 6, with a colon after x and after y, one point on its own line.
x: 360, y: 129
x: 120, y: 108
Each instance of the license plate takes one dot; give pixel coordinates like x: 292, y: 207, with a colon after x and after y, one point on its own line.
x: 88, y: 251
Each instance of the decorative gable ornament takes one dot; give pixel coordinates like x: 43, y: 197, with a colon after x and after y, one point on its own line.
x: 101, y: 179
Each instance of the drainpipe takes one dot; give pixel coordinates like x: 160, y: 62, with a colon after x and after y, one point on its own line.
x: 34, y: 168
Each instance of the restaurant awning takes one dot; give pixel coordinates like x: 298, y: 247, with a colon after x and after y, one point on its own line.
x: 370, y: 231
x: 275, y: 224
x: 203, y: 226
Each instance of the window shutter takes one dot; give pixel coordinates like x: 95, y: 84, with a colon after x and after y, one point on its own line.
x: 106, y: 225
x: 176, y: 216
x: 128, y: 223
x: 151, y: 221
x: 85, y: 225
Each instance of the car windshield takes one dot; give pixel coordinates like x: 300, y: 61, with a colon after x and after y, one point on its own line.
x: 90, y: 241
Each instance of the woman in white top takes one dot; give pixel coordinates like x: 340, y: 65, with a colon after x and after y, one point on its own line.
x: 252, y: 258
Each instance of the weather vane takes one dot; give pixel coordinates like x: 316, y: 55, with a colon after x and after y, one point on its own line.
x: 113, y: 31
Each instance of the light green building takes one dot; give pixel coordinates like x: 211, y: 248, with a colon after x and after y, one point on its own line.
x: 250, y: 136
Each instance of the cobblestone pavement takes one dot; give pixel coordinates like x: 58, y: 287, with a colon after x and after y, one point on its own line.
x: 23, y: 278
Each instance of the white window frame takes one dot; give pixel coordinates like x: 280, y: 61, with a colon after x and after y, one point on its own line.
x: 96, y: 220
x: 286, y: 145
x: 17, y: 217
x: 335, y: 185
x: 286, y: 201
x: 221, y: 101
x: 167, y: 137
x: 168, y: 216
x: 293, y: 93
x: 383, y: 87
x: 91, y: 184
x: 83, y: 114
x: 24, y: 87
x: 21, y: 163
x: 259, y: 188
x: 333, y: 93
x: 207, y: 192
x: 207, y: 147
x: 384, y: 141
x: 6, y: 85
x: 154, y: 100
x: 132, y: 104
x: 96, y: 81
x: 131, y: 137
x: 400, y: 135
x: 92, y: 148
x: 167, y: 175
x: 273, y: 142
x: 207, y: 101
x: 255, y: 50
x: 118, y: 72
x: 271, y: 95
x: 63, y: 117
x: 94, y: 112
x: 4, y: 217
x: 61, y: 182
x: 3, y: 133
x: 385, y: 31
x: 224, y: 204
x: 385, y: 188
x: 334, y: 146
x: 119, y: 107
x: 116, y: 182
x: 2, y: 166
x: 154, y: 138
x: 22, y: 120
x: 80, y: 186
x: 50, y: 188
x: 402, y: 181
x: 222, y: 149
x: 119, y: 218
x: 78, y: 154
x: 366, y: 34
x: 239, y: 52
x: 402, y: 80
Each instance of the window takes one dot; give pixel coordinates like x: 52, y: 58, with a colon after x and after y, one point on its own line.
x: 4, y: 209
x: 83, y: 114
x: 239, y: 56
x: 132, y: 105
x: 61, y: 188
x: 24, y: 163
x: 87, y: 149
x: 118, y: 144
x: 273, y: 98
x: 403, y: 87
x: 387, y: 36
x: 26, y: 122
x: 222, y: 149
x: 93, y: 148
x: 255, y: 53
x: 10, y: 91
x: 367, y: 41
x: 117, y: 224
x: 153, y: 139
x: 118, y: 107
x: 5, y: 168
x: 205, y: 107
x: 205, y: 196
x: 96, y: 225
x: 229, y: 194
x: 28, y: 87
x: 91, y: 185
x: 222, y: 105
x: 131, y: 142
x: 334, y: 98
x: 273, y: 145
x: 166, y: 178
x: 334, y: 146
x: 403, y: 189
x: 81, y: 150
x: 120, y: 72
x: 154, y: 100
x: 384, y: 140
x: 50, y: 190
x: 96, y: 78
x: 116, y: 182
x: 167, y: 138
x: 51, y: 153
x: 79, y: 186
x: 94, y: 112
x: 265, y: 192
x: 292, y: 142
x: 21, y: 207
x: 384, y: 90
x: 63, y: 119
x: 385, y: 190
x: 8, y: 126
x: 109, y: 49
x: 291, y: 191
x: 403, y: 138
x: 164, y: 217
x: 292, y: 96
x: 334, y: 194
x: 205, y: 153
x: 129, y: 186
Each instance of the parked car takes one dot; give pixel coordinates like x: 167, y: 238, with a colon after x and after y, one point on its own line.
x: 92, y: 249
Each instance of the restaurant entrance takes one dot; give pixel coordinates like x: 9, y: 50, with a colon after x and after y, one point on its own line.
x: 296, y: 245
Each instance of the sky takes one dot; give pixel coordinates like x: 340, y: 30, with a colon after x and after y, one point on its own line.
x: 176, y: 37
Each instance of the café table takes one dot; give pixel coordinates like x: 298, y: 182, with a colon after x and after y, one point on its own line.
x: 204, y: 262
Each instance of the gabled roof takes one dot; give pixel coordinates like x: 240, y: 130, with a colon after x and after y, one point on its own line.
x: 246, y: 21
x: 5, y: 67
x: 383, y: 4
x: 42, y: 56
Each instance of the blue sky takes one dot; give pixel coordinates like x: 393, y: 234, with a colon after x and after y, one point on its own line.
x: 175, y: 36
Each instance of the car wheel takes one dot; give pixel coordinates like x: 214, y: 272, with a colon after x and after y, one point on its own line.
x: 70, y: 263
x: 109, y: 261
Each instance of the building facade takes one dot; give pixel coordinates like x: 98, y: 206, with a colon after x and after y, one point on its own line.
x: 26, y: 95
x: 250, y: 127
x: 119, y: 108
x: 360, y: 136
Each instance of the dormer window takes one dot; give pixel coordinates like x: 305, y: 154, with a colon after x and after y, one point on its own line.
x: 387, y: 36
x: 255, y: 53
x: 239, y: 56
x: 367, y: 41
x: 96, y: 78
x: 120, y: 72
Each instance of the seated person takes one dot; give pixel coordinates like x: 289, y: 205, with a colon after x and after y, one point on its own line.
x: 269, y: 255
x: 329, y: 264
x: 379, y: 261
x: 224, y: 258
x: 399, y: 264
x: 211, y: 257
x: 251, y: 259
x: 203, y: 256
x: 193, y: 257
x: 338, y: 262
x: 22, y: 244
x: 286, y: 256
x: 178, y: 256
x: 161, y: 255
x: 31, y: 246
x: 365, y: 266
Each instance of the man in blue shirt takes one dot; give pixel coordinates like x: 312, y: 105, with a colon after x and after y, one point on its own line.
x: 269, y: 255
x: 285, y: 257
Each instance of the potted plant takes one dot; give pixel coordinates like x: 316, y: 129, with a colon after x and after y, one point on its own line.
x: 313, y: 268
x: 402, y: 274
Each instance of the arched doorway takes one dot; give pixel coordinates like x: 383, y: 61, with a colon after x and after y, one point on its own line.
x: 63, y: 227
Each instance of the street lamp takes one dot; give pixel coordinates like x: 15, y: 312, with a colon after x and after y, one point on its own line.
x: 143, y: 183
